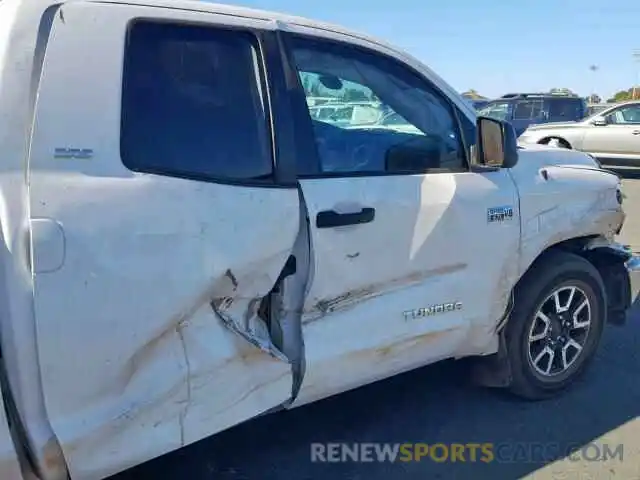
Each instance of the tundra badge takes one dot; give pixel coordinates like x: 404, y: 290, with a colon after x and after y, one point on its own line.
x: 432, y: 310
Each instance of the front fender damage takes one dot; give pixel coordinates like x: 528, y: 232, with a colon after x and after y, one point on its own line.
x: 620, y: 271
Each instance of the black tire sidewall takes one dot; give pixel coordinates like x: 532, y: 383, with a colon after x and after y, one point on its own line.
x: 557, y: 270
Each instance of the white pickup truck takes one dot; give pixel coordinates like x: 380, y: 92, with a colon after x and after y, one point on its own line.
x: 184, y: 248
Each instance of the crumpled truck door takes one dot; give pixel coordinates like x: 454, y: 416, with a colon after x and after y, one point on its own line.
x: 149, y: 282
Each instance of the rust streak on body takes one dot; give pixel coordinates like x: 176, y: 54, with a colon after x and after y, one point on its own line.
x: 172, y: 327
x: 402, y: 345
x: 373, y: 290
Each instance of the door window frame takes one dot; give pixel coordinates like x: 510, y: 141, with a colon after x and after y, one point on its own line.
x: 304, y: 124
x: 613, y: 112
x: 268, y: 73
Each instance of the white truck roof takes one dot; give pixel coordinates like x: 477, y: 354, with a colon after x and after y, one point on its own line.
x: 33, y: 9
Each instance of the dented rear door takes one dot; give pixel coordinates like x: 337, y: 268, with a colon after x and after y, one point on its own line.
x: 159, y: 224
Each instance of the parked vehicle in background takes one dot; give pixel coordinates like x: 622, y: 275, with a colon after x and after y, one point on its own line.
x: 524, y: 109
x: 347, y: 113
x: 612, y: 135
x: 186, y: 247
x: 316, y: 100
x: 594, y: 108
x: 477, y: 104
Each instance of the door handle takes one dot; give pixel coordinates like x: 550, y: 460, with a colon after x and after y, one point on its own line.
x: 635, y: 132
x: 331, y: 218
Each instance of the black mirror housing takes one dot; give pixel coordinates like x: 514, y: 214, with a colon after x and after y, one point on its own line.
x: 497, y: 143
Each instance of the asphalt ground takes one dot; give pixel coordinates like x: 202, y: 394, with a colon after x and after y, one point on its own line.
x: 597, y: 420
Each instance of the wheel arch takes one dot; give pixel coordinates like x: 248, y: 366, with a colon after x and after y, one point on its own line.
x: 495, y: 370
x: 609, y: 262
x: 545, y: 140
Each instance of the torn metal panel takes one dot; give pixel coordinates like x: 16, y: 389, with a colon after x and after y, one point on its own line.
x: 242, y: 319
x: 145, y: 275
x: 230, y: 379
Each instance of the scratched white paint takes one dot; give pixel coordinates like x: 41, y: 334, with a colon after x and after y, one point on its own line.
x: 577, y: 200
x: 18, y: 30
x: 114, y: 353
x: 429, y: 243
x: 134, y: 361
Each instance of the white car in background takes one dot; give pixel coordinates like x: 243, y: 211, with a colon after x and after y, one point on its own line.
x: 347, y: 113
x: 611, y: 135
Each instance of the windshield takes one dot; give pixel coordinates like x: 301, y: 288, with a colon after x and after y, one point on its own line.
x: 601, y: 110
x: 596, y: 109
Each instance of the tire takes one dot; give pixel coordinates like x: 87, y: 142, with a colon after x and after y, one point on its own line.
x: 557, y: 143
x: 564, y: 273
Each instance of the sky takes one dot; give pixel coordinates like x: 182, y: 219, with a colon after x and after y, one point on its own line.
x: 499, y: 46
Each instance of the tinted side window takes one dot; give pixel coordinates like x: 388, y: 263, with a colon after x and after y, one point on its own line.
x: 629, y: 114
x: 562, y: 109
x: 527, y: 109
x: 192, y: 104
x: 424, y: 136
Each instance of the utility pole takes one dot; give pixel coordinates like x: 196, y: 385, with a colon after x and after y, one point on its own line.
x: 636, y: 56
x: 594, y: 69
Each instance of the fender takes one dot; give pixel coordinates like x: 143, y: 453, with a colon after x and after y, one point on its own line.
x: 620, y: 270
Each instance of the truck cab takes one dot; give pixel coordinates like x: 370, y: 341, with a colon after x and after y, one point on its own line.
x: 186, y: 248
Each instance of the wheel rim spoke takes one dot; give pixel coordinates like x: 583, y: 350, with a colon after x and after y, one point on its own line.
x: 559, y: 330
x: 586, y: 321
x: 546, y: 351
x: 560, y: 307
x: 544, y: 320
x: 571, y: 343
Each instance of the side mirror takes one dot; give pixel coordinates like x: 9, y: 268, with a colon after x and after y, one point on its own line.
x: 599, y: 121
x: 497, y: 144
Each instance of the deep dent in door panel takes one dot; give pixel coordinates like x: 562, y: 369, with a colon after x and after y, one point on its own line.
x: 197, y: 398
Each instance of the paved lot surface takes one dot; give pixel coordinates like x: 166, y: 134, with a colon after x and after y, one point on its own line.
x: 435, y: 404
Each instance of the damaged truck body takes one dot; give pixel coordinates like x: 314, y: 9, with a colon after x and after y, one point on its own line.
x: 186, y: 247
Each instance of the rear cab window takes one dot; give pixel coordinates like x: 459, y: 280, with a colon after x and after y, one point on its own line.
x: 566, y: 109
x: 528, y: 109
x: 193, y: 104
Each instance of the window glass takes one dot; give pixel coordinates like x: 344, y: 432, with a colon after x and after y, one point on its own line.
x: 193, y: 104
x: 595, y: 109
x: 629, y: 114
x: 527, y: 109
x: 565, y: 109
x: 497, y: 110
x: 394, y: 119
x: 370, y: 89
